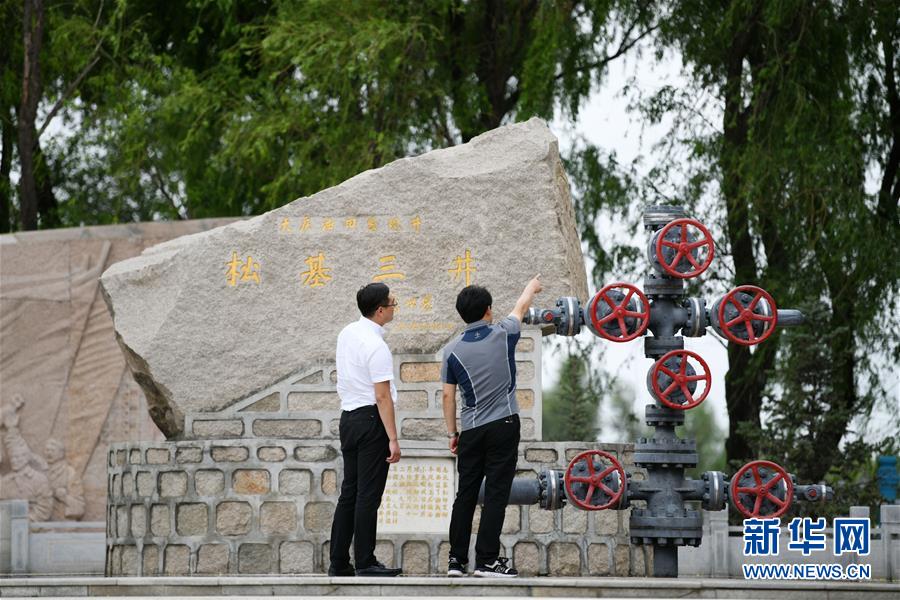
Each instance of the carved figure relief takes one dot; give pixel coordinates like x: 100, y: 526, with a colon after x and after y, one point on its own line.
x: 27, y: 480
x: 68, y: 491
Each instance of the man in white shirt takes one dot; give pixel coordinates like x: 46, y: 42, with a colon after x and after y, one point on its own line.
x: 365, y: 374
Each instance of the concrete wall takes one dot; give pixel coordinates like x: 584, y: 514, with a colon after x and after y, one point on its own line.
x: 66, y: 547
x: 14, y: 536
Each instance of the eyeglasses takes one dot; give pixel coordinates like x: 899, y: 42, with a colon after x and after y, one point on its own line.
x: 390, y: 305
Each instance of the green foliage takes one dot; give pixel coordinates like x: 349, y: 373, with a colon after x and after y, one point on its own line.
x: 570, y: 408
x: 620, y: 415
x: 809, y: 113
x: 604, y: 188
x: 207, y: 108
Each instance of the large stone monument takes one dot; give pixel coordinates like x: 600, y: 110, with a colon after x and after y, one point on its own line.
x: 208, y: 320
x: 231, y: 333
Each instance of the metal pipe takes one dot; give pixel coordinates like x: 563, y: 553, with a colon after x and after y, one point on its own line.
x: 789, y: 317
x: 665, y: 561
x: 522, y: 491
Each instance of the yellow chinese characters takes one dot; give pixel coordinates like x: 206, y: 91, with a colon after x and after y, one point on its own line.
x: 316, y: 274
x: 287, y: 225
x: 387, y: 269
x: 463, y: 266
x: 416, y: 492
x: 238, y: 270
x: 424, y: 304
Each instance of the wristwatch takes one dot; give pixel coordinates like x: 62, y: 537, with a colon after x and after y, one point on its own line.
x: 452, y: 435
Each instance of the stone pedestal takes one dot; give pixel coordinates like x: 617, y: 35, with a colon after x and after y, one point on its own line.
x: 265, y: 506
x: 13, y: 536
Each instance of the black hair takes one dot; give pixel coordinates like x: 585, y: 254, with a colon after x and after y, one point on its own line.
x: 472, y: 302
x: 370, y: 297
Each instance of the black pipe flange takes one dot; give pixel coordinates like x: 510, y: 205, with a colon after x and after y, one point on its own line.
x: 659, y: 216
x: 678, y: 453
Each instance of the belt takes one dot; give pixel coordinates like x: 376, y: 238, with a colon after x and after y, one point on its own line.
x: 362, y: 409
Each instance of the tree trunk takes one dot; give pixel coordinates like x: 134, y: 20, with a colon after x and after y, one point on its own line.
x: 33, y: 33
x: 6, y: 149
x: 742, y: 387
x: 47, y: 206
x: 889, y: 193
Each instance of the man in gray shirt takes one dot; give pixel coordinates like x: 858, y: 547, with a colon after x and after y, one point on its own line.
x: 482, y: 363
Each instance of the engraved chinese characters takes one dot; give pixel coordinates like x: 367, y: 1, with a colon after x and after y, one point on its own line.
x: 317, y: 271
x: 418, y: 496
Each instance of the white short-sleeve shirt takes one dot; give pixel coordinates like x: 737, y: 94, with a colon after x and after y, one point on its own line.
x: 363, y: 359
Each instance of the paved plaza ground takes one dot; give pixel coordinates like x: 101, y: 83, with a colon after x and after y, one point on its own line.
x: 440, y: 587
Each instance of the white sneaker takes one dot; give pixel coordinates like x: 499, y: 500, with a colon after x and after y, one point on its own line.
x: 498, y: 568
x: 455, y: 568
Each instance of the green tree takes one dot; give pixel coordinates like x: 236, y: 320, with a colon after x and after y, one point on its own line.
x: 219, y: 107
x: 570, y: 408
x: 619, y: 414
x: 809, y: 110
x: 212, y: 108
x: 50, y: 51
x: 798, y: 178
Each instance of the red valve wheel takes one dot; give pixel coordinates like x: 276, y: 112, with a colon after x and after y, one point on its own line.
x: 618, y: 312
x: 761, y: 490
x: 746, y: 315
x: 684, y: 248
x: 680, y: 379
x: 593, y: 479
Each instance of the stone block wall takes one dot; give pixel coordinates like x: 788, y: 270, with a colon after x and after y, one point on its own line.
x: 306, y: 405
x: 257, y: 506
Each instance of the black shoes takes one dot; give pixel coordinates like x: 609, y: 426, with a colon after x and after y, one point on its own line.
x: 498, y: 568
x: 456, y: 568
x: 346, y: 571
x: 375, y: 570
x: 378, y: 570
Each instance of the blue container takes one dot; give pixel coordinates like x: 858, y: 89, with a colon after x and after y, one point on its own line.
x: 887, y: 477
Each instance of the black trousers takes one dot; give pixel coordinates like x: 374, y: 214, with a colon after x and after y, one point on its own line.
x: 364, y: 446
x: 489, y: 453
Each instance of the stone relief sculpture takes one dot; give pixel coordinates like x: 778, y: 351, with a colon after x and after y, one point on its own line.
x: 26, y: 481
x: 68, y: 491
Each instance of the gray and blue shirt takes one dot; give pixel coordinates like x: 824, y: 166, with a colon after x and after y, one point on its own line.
x: 481, y: 362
